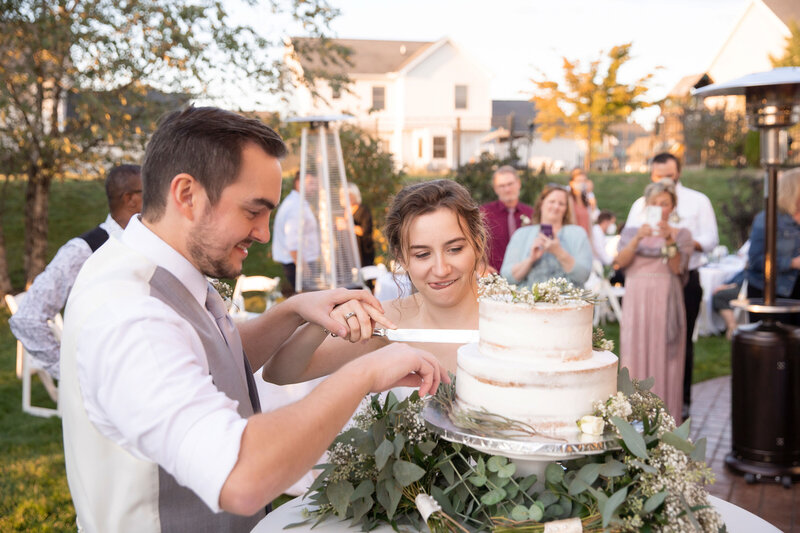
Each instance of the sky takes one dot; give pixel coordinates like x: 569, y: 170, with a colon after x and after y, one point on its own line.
x: 516, y: 40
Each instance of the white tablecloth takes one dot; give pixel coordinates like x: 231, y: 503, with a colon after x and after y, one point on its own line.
x: 736, y: 519
x: 712, y: 276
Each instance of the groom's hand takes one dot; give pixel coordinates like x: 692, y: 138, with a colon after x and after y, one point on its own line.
x: 400, y: 365
x: 316, y: 307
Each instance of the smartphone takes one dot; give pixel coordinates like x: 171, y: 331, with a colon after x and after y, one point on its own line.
x: 652, y: 216
x: 547, y: 230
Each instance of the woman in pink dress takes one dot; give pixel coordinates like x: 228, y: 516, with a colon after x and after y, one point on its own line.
x: 654, y: 257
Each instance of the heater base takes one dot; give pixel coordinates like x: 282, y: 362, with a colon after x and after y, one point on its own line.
x: 755, y: 471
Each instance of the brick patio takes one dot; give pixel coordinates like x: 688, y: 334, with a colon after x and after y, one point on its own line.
x: 711, y: 418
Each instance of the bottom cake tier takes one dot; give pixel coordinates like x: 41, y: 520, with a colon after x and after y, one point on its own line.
x: 550, y: 396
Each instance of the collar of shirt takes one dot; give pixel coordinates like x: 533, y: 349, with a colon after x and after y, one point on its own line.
x: 140, y: 238
x: 111, y: 226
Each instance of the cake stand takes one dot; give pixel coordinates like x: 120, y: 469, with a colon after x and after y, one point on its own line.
x: 531, y: 453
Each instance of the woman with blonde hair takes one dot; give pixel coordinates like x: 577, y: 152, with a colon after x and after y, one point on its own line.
x: 551, y: 248
x: 787, y: 283
x: 653, y: 332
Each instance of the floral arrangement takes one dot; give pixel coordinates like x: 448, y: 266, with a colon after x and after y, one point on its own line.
x: 555, y: 291
x: 389, y: 468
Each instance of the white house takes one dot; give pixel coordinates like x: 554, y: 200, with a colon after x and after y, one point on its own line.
x: 427, y: 101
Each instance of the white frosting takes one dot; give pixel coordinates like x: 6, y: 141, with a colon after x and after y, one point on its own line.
x: 535, y: 364
x: 521, y: 332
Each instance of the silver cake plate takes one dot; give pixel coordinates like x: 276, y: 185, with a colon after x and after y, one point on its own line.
x: 520, y: 447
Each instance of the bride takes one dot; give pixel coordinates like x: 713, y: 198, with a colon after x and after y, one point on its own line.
x: 435, y: 232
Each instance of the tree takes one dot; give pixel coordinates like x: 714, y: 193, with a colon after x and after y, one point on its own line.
x: 589, y: 101
x: 791, y: 54
x: 81, y: 80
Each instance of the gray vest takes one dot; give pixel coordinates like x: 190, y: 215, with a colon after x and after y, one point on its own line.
x: 179, y: 507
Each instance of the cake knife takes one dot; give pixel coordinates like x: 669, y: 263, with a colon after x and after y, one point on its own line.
x: 455, y: 336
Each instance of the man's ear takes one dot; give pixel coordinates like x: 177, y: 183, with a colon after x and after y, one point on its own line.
x: 185, y: 193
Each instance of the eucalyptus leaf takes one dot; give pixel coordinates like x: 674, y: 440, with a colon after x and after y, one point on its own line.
x: 655, y: 501
x: 399, y: 442
x: 527, y: 482
x: 647, y: 384
x: 495, y: 463
x: 506, y: 471
x: 498, y: 481
x: 577, y: 486
x: 407, y: 473
x: 632, y: 439
x: 612, y: 468
x: 480, y: 467
x: 379, y: 431
x: 683, y: 430
x: 554, y: 511
x: 478, y: 480
x: 360, y: 508
x: 520, y: 513
x: 547, y: 498
x: 614, y: 501
x: 364, y: 490
x: 395, y: 492
x: 554, y: 473
x: 677, y: 442
x: 493, y: 497
x: 624, y: 383
x: 536, y: 511
x: 382, y: 454
x: 448, y: 472
x: 645, y: 467
x: 512, y: 489
x: 589, y: 472
x: 339, y: 494
x: 426, y: 446
x: 318, y: 482
x: 442, y: 500
x: 566, y: 504
x: 699, y: 452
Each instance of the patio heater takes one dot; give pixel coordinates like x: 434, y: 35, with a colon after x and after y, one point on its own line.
x: 327, y: 257
x: 765, y: 355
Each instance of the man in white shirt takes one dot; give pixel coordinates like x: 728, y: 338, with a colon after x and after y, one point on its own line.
x: 606, y: 224
x: 286, y: 239
x: 48, y: 292
x: 696, y: 214
x: 162, y: 424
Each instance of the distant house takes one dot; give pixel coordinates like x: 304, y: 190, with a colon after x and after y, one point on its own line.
x: 428, y: 102
x: 517, y: 116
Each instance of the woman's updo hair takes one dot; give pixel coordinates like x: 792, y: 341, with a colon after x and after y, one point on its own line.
x: 664, y: 185
x: 427, y: 197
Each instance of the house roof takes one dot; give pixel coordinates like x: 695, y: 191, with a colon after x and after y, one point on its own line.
x: 687, y: 83
x: 524, y: 112
x: 786, y: 10
x: 366, y: 56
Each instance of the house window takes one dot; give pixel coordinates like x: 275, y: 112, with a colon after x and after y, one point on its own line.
x: 461, y: 96
x: 439, y: 147
x: 378, y: 98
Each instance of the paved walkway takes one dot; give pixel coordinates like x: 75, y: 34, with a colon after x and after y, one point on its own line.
x: 711, y: 418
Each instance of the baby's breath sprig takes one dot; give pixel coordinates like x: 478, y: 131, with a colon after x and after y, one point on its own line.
x: 555, y: 291
x: 599, y: 341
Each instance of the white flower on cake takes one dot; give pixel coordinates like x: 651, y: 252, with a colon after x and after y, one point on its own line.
x: 591, y: 425
x: 554, y: 291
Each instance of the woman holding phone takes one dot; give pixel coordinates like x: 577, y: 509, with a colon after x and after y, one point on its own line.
x: 653, y: 333
x: 552, y: 248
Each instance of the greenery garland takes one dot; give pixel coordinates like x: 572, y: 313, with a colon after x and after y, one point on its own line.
x: 388, y: 468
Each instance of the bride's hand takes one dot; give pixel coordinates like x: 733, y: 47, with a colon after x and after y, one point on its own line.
x: 360, y: 319
x: 319, y: 307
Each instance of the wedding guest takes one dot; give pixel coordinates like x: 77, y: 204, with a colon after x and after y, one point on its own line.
x: 435, y: 233
x: 721, y: 301
x: 162, y: 430
x: 696, y: 214
x: 362, y: 224
x: 48, y: 293
x: 653, y: 320
x: 584, y: 203
x: 552, y: 247
x: 787, y: 282
x: 505, y: 215
x: 286, y: 230
x: 606, y: 225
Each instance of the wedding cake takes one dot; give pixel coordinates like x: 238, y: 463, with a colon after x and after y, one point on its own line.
x: 535, y: 362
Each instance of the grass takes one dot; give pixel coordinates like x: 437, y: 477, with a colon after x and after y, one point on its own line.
x: 33, y: 489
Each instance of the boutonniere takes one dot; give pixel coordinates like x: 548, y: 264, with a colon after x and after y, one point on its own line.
x: 225, y: 291
x: 524, y: 220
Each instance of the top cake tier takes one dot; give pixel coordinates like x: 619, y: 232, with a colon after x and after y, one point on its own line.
x: 545, y: 331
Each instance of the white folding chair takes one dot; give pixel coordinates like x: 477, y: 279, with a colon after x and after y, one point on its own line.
x: 608, y: 307
x: 269, y: 286
x: 27, y: 365
x: 740, y: 315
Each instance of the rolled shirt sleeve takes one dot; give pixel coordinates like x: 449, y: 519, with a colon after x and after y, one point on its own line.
x: 186, y: 425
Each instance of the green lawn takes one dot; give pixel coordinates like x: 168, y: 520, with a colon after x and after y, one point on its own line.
x: 33, y: 489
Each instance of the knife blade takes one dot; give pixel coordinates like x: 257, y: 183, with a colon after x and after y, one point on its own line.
x: 455, y: 336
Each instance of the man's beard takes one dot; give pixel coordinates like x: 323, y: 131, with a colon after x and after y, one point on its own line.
x: 209, y: 256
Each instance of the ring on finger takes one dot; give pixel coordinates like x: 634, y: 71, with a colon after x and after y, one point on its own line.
x: 349, y: 315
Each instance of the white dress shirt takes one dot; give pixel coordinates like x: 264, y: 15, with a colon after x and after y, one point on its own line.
x: 47, y: 296
x: 286, y: 231
x: 599, y: 245
x: 695, y: 213
x: 161, y: 409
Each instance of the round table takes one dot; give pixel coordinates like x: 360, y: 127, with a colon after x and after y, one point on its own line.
x: 736, y: 519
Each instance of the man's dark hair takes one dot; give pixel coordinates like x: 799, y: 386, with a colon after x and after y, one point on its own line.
x: 204, y: 142
x: 122, y: 179
x: 663, y: 157
x: 604, y: 215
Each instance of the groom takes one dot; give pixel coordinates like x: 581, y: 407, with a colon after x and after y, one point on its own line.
x: 162, y: 425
